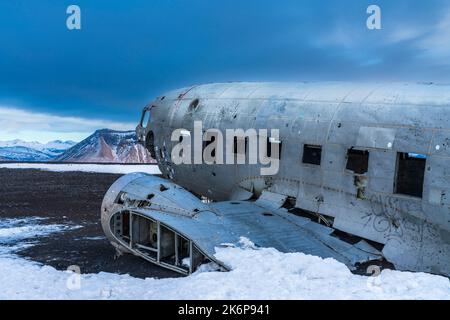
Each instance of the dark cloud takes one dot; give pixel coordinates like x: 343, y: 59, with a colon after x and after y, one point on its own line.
x: 130, y: 51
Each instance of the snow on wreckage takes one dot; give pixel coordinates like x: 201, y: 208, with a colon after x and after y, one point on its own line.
x: 165, y: 224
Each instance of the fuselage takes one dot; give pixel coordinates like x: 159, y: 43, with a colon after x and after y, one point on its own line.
x: 375, y: 158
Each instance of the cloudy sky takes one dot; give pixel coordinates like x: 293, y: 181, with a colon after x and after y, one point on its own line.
x: 56, y: 83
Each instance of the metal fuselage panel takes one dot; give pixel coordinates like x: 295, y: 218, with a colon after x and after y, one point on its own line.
x: 384, y: 120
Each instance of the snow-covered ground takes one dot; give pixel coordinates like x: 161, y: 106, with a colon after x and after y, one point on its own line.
x: 18, y: 234
x: 256, y: 274
x: 100, y: 168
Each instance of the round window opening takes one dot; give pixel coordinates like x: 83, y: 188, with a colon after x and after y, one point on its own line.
x: 194, y: 104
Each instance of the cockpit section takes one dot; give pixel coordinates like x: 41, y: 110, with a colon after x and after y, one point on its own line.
x: 143, y: 124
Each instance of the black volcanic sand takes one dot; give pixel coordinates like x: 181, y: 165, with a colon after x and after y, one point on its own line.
x: 69, y: 198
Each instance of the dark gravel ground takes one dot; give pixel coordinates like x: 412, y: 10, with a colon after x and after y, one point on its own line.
x: 70, y: 198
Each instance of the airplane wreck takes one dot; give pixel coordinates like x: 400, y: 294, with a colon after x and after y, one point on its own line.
x: 364, y: 176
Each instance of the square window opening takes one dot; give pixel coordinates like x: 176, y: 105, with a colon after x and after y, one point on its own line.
x: 410, y: 172
x: 312, y: 154
x: 358, y: 161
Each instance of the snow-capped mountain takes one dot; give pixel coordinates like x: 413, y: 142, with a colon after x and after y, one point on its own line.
x: 19, y: 150
x: 108, y: 146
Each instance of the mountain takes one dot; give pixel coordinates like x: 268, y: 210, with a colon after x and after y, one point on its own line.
x: 19, y: 150
x: 108, y: 146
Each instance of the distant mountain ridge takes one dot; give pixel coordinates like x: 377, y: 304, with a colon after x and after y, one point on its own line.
x: 103, y: 146
x: 108, y: 146
x: 19, y: 150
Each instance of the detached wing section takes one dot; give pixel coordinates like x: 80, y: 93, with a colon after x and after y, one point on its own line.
x: 165, y: 224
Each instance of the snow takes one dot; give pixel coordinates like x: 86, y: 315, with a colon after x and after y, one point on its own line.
x: 57, y: 144
x: 83, y: 167
x: 19, y: 150
x: 257, y: 273
x: 23, y: 154
x: 18, y: 234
